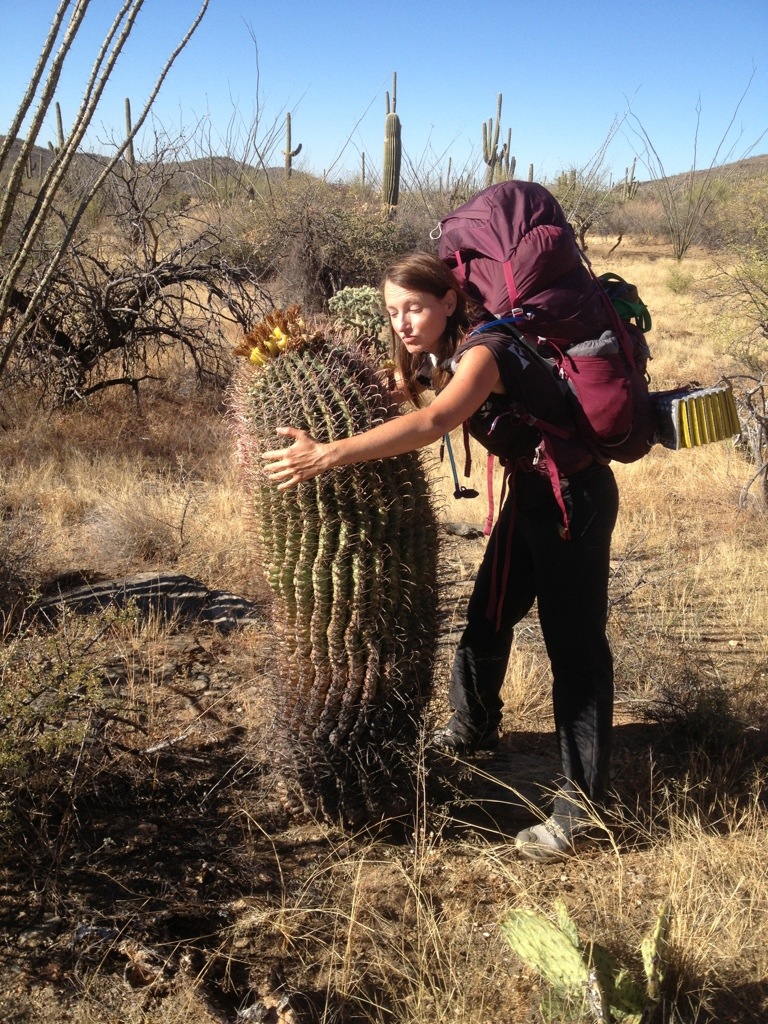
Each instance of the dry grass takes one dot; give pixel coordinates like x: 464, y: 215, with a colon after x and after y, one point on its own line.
x: 358, y: 929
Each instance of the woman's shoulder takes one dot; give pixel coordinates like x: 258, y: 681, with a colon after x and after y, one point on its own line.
x: 496, y: 338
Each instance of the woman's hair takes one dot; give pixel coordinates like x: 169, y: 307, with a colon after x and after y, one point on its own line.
x: 425, y: 272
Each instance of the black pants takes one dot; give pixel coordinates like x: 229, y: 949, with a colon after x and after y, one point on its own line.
x: 569, y: 580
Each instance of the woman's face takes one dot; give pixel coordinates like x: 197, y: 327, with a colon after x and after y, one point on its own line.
x: 419, y: 319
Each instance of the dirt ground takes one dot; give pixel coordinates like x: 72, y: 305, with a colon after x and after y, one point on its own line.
x: 174, y: 886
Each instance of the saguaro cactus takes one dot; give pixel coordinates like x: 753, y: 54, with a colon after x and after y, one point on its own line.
x: 350, y: 557
x: 393, y: 151
x: 491, y: 144
x: 501, y: 164
x: 130, y: 156
x: 59, y: 146
x: 629, y: 190
x: 289, y: 153
x: 59, y: 129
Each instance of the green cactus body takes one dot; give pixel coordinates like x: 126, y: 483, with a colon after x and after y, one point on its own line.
x: 59, y: 129
x: 351, y: 559
x: 654, y: 952
x: 547, y: 949
x: 588, y: 972
x: 393, y: 154
x: 289, y: 153
x: 491, y: 145
x: 629, y: 190
x: 130, y: 156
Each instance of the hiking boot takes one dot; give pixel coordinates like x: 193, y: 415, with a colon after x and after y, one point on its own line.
x: 548, y: 841
x: 452, y: 742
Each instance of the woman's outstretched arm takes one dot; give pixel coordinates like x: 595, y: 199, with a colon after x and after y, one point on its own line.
x: 476, y: 376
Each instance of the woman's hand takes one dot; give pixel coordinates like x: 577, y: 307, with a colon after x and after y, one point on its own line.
x: 306, y: 458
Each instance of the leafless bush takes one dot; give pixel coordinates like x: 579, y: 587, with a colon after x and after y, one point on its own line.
x: 688, y: 198
x: 158, y: 274
x: 751, y: 392
x: 36, y: 216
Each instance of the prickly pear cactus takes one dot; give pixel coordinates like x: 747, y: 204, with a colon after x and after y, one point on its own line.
x: 351, y: 559
x: 587, y: 975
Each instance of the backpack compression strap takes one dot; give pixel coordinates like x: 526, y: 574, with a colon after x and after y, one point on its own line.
x: 509, y: 280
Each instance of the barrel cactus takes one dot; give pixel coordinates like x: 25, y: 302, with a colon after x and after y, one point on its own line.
x: 351, y: 559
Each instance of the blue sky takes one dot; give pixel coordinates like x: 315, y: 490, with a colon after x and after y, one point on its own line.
x: 567, y: 71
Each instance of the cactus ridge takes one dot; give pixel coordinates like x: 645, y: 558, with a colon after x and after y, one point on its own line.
x: 354, y: 622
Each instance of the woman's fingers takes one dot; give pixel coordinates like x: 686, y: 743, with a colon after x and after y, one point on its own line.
x: 279, y: 453
x: 287, y: 467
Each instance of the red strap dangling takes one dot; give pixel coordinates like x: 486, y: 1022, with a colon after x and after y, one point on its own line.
x: 489, y: 483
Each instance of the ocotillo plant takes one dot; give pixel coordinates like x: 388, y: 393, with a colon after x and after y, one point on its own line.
x: 289, y: 153
x: 585, y: 974
x: 350, y: 557
x: 393, y: 151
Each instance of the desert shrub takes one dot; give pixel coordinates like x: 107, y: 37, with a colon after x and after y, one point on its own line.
x: 698, y: 711
x: 744, y: 286
x: 49, y: 692
x: 678, y: 281
x: 143, y: 527
x: 158, y: 276
x: 316, y: 238
x: 737, y: 215
x: 641, y: 218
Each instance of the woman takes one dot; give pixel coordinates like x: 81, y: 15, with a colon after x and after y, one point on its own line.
x: 550, y: 545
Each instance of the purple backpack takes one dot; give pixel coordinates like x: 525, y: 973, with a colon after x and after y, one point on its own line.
x: 512, y: 250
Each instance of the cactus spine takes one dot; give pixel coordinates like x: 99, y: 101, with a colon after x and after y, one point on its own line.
x: 130, y: 156
x: 350, y: 557
x: 393, y: 152
x: 586, y: 973
x: 289, y: 153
